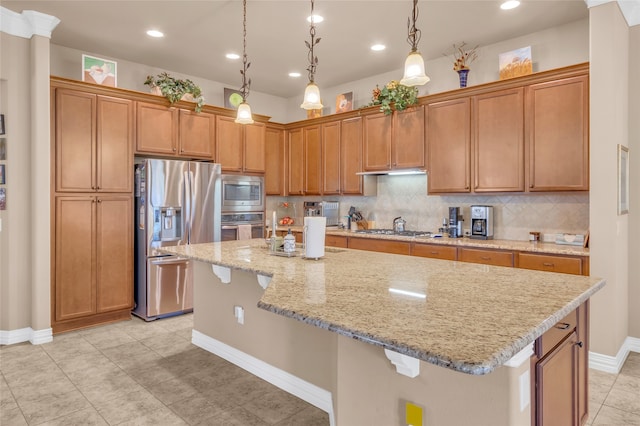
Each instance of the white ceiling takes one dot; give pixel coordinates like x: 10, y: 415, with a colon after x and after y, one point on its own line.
x: 199, y: 33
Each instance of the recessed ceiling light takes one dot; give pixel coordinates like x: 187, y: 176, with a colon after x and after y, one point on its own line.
x: 155, y: 33
x: 294, y: 74
x: 232, y: 56
x: 378, y: 47
x: 316, y: 19
x: 509, y: 4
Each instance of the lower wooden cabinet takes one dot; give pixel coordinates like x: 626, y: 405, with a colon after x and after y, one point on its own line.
x: 385, y: 246
x: 559, y: 372
x: 93, y: 279
x: 336, y: 241
x: 435, y: 251
x: 551, y: 263
x: 486, y: 257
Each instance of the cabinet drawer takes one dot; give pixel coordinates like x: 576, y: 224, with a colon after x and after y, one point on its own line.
x: 435, y: 251
x: 556, y: 334
x: 384, y: 246
x: 486, y: 257
x: 335, y: 241
x: 540, y: 262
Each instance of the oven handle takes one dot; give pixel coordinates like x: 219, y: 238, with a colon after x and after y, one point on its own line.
x: 170, y: 261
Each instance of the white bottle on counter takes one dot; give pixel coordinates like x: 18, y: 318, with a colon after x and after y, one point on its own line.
x: 289, y: 242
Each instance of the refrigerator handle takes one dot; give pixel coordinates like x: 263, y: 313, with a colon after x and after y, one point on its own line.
x: 187, y: 202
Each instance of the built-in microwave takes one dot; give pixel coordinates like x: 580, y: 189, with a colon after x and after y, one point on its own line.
x: 241, y: 193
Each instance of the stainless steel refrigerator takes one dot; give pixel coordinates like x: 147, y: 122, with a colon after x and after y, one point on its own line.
x: 177, y: 202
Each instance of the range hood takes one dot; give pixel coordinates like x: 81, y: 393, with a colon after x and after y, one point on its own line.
x: 394, y: 172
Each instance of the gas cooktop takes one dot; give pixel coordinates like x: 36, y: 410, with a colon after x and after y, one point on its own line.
x: 392, y: 232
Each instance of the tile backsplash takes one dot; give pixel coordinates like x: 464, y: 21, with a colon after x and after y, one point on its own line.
x: 515, y: 215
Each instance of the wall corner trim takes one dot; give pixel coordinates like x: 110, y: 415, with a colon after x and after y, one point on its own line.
x: 630, y: 9
x: 27, y: 24
x: 613, y: 364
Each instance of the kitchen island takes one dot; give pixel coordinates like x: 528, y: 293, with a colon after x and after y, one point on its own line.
x: 436, y: 319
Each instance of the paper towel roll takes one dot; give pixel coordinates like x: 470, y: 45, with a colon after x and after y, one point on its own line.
x: 314, y: 231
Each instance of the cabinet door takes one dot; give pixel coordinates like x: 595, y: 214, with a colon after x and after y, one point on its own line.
x: 75, y: 135
x: 498, y: 141
x: 434, y: 251
x: 557, y: 384
x: 275, y: 174
x: 351, y: 156
x: 229, y: 144
x: 313, y: 160
x: 550, y: 263
x: 296, y: 162
x: 114, y: 253
x: 486, y: 257
x: 377, y: 142
x: 114, y: 163
x: 408, y: 146
x: 197, y: 134
x: 448, y: 146
x: 331, y: 158
x: 254, y: 151
x: 384, y: 246
x: 75, y: 285
x: 156, y: 129
x: 557, y: 118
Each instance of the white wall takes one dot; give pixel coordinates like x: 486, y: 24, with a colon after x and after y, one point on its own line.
x: 609, y: 102
x: 552, y: 48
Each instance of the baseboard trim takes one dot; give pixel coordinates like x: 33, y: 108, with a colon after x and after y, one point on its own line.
x: 613, y: 364
x: 304, y: 390
x: 27, y: 334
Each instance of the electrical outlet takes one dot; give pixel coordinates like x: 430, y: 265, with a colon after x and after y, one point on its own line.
x: 238, y: 312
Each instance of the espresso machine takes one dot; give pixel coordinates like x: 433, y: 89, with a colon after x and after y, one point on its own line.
x: 455, y: 222
x: 482, y: 222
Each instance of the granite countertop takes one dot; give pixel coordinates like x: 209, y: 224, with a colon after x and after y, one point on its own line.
x: 525, y: 246
x: 473, y: 319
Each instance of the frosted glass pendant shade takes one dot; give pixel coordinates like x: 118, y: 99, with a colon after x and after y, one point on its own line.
x: 244, y: 114
x: 414, y: 70
x: 311, y: 97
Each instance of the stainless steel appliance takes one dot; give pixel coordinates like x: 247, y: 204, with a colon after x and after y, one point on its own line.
x: 482, y: 222
x: 237, y: 226
x: 455, y: 222
x: 177, y: 202
x: 242, y: 193
x: 398, y: 224
x: 328, y: 209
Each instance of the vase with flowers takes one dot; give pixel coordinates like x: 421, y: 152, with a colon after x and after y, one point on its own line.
x: 394, y: 97
x: 462, y: 58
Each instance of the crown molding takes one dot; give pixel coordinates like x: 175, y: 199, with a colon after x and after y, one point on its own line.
x: 630, y: 9
x: 27, y: 24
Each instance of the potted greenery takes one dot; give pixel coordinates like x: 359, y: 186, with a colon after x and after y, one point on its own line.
x: 174, y: 89
x: 394, y: 96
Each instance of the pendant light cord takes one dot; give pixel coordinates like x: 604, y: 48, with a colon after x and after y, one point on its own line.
x: 414, y: 34
x: 246, y: 85
x: 313, y: 60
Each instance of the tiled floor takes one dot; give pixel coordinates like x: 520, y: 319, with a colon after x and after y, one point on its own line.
x: 137, y: 373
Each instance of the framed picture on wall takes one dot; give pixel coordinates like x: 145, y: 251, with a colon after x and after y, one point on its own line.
x: 1, y: 124
x: 3, y: 199
x: 3, y: 149
x: 3, y: 180
x: 344, y: 102
x: 99, y: 71
x: 232, y: 98
x: 515, y: 63
x: 623, y: 179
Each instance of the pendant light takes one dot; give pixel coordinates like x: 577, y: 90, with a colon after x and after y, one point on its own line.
x: 414, y: 74
x: 312, y: 92
x: 244, y: 110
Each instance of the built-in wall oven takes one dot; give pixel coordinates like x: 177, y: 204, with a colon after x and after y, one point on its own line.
x: 242, y: 207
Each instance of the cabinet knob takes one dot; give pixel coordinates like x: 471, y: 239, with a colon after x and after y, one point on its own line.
x: 93, y: 187
x: 174, y: 150
x: 99, y: 200
x: 580, y: 344
x: 466, y: 187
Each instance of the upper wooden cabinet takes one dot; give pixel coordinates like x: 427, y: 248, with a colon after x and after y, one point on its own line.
x: 240, y: 147
x: 169, y: 131
x: 394, y: 141
x: 351, y: 157
x: 312, y: 160
x: 331, y: 158
x: 448, y: 138
x: 295, y: 145
x: 275, y: 174
x: 557, y: 132
x: 93, y: 142
x: 497, y: 136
